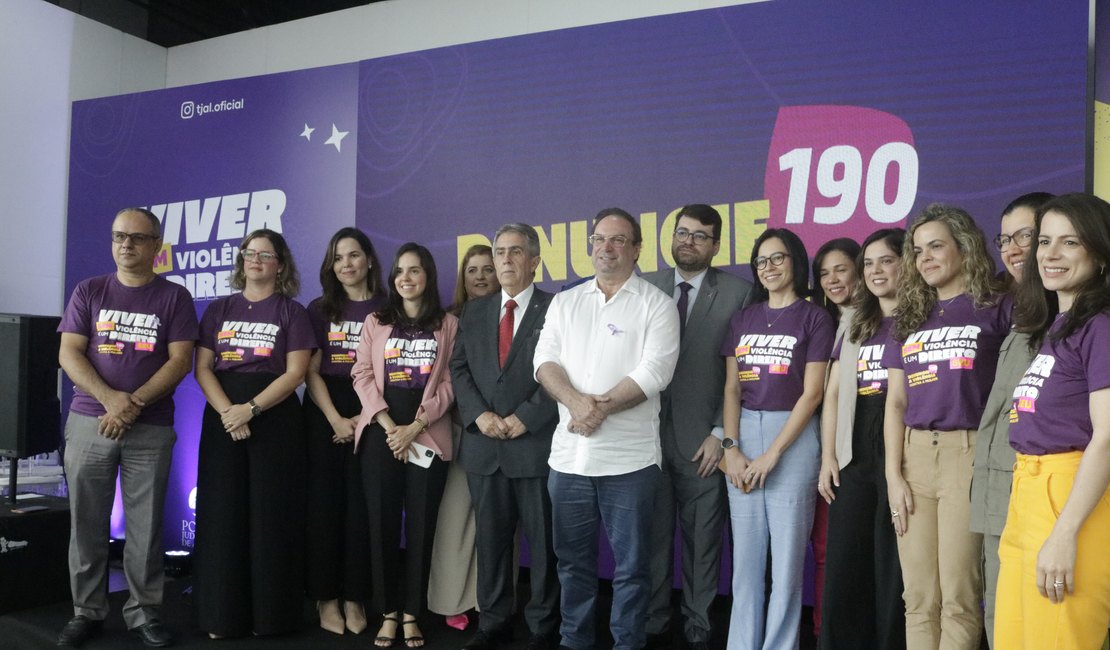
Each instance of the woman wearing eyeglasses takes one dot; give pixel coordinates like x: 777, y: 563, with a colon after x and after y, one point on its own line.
x: 994, y: 458
x: 940, y: 362
x: 403, y: 382
x: 1054, y: 582
x: 338, y: 561
x: 253, y: 352
x: 776, y: 353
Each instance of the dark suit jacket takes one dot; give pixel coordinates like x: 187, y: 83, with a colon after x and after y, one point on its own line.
x: 480, y: 386
x: 691, y: 405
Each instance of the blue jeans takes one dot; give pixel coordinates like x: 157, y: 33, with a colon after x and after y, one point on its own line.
x: 779, y: 516
x: 623, y: 503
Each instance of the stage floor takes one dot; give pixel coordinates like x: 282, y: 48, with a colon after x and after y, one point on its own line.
x: 38, y: 628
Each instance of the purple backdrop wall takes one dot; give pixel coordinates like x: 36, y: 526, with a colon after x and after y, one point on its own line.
x: 831, y: 118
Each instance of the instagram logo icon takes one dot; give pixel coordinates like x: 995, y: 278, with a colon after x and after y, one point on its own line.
x: 187, y: 110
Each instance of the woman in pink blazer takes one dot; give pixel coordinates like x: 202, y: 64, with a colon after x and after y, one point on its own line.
x: 403, y: 382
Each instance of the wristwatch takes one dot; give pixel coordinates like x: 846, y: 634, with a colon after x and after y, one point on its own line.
x: 729, y: 443
x: 256, y: 410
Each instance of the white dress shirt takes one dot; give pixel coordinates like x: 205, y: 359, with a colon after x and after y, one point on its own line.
x: 599, y: 343
x: 522, y: 299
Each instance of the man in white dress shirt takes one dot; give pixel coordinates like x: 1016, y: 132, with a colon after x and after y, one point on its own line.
x: 607, y: 350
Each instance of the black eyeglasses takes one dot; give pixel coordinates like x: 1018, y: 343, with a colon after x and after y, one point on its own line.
x: 137, y: 238
x: 1022, y: 237
x: 776, y: 260
x: 699, y: 238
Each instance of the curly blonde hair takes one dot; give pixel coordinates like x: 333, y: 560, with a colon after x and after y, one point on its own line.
x: 916, y: 298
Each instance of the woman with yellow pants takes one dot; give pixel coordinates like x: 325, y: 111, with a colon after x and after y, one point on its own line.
x: 1054, y: 582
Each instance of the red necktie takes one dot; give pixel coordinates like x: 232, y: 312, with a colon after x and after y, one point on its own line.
x: 505, y: 333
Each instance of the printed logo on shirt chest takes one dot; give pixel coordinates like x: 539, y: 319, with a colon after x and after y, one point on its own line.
x: 1029, y: 388
x: 404, y: 357
x: 772, y: 351
x: 237, y: 338
x: 115, y: 329
x: 951, y: 346
x: 869, y: 369
x: 343, y: 340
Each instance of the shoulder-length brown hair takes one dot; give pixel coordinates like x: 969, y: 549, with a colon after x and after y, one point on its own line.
x: 288, y: 282
x: 868, y: 314
x: 431, y: 311
x: 1035, y: 308
x: 334, y: 296
x: 460, y: 281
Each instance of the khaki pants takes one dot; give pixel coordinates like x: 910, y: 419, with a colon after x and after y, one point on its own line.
x: 940, y: 557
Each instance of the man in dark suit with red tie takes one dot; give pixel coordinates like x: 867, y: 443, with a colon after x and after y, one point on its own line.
x: 508, y: 420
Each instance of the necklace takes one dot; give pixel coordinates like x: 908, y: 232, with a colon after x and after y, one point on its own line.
x: 947, y: 303
x: 781, y: 312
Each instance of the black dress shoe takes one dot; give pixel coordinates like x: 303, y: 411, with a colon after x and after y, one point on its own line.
x: 488, y: 639
x: 79, y: 629
x: 543, y: 642
x: 661, y: 641
x: 154, y: 634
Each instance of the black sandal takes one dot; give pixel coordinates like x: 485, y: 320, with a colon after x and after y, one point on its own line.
x: 381, y: 641
x: 414, y: 641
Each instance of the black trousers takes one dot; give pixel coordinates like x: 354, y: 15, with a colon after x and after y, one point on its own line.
x: 863, y: 605
x: 248, y: 559
x: 337, y: 558
x: 399, y: 494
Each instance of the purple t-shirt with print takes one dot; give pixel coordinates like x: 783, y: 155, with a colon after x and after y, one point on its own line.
x: 338, y: 341
x: 1051, y: 412
x: 772, y: 348
x: 409, y: 355
x: 129, y: 331
x: 949, y: 362
x: 255, y: 336
x: 870, y: 371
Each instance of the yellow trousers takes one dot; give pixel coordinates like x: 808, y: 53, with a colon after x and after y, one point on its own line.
x: 1023, y: 618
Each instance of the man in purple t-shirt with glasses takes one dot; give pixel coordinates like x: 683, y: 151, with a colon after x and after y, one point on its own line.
x: 127, y: 341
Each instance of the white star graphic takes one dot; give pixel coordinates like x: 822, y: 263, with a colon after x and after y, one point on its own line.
x: 336, y: 137
x: 307, y: 133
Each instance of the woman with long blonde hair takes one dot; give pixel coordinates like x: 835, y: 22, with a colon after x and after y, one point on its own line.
x: 948, y: 327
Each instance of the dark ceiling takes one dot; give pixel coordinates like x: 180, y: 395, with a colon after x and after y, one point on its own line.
x: 176, y: 22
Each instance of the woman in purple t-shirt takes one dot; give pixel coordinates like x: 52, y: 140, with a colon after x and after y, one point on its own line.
x: 338, y: 560
x: 403, y: 437
x: 863, y: 587
x: 775, y: 353
x: 834, y: 273
x: 940, y: 360
x: 253, y: 352
x: 1054, y: 581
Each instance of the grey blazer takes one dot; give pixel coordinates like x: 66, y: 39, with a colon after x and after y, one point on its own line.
x: 691, y: 405
x: 480, y: 386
